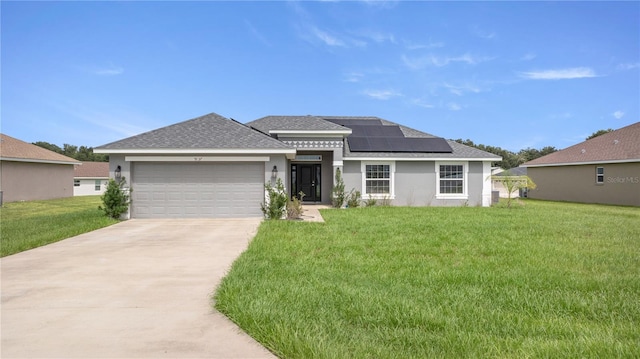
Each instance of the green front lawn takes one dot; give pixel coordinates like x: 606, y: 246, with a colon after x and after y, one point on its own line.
x: 548, y: 280
x: 26, y: 225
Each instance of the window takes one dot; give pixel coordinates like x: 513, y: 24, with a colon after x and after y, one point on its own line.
x: 378, y: 179
x: 451, y: 180
x: 76, y: 183
x: 599, y: 175
x: 97, y: 186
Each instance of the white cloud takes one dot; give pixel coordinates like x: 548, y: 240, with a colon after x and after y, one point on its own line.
x: 381, y: 94
x: 421, y: 103
x: 257, y: 34
x: 419, y: 46
x: 377, y: 36
x: 561, y: 74
x: 462, y: 89
x: 110, y: 70
x: 487, y: 35
x: 528, y: 56
x: 354, y: 77
x: 454, y: 106
x: 629, y: 66
x: 326, y: 38
x: 441, y: 61
x: 618, y: 114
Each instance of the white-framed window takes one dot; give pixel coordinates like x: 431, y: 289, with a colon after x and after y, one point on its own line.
x: 97, y: 185
x: 451, y: 180
x: 378, y: 179
x: 599, y: 175
x: 76, y: 183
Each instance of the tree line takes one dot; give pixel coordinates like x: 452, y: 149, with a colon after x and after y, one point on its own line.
x: 512, y: 159
x: 82, y: 153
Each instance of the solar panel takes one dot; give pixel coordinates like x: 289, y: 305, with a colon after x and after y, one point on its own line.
x: 398, y: 144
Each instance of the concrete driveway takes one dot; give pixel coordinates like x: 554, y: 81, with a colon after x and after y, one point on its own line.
x: 137, y: 289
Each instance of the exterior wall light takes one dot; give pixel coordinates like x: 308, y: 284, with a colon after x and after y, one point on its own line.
x: 274, y: 172
x: 118, y: 173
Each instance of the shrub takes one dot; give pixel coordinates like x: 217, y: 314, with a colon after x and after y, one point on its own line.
x: 276, y: 201
x: 337, y: 199
x: 370, y: 202
x: 294, y: 207
x: 115, y: 199
x: 353, y: 199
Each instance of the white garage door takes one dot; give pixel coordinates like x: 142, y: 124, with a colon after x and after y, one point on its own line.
x: 197, y: 190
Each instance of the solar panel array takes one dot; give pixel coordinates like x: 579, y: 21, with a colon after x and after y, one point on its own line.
x: 374, y: 136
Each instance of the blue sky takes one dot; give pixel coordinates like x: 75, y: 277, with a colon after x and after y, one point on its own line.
x: 508, y: 74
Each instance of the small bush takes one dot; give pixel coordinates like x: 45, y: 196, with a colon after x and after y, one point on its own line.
x: 353, y: 199
x: 370, y: 202
x: 115, y: 199
x: 294, y: 207
x: 276, y: 201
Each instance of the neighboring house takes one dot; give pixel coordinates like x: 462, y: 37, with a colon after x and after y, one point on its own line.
x: 90, y: 178
x: 29, y: 172
x: 516, y: 174
x: 212, y: 166
x: 604, y: 169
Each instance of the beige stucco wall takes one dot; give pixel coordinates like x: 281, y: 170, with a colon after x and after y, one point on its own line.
x: 578, y: 183
x: 24, y: 181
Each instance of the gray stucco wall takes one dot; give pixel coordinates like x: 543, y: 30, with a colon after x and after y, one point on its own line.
x: 415, y: 183
x: 23, y: 181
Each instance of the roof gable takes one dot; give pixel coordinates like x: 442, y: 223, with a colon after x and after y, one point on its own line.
x: 622, y: 145
x: 210, y: 131
x: 12, y: 149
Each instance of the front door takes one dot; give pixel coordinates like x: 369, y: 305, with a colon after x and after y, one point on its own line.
x: 307, y: 180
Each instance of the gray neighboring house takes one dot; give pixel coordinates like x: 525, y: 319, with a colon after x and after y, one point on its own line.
x: 212, y: 166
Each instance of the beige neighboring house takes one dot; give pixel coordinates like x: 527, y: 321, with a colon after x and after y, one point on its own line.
x: 517, y: 174
x: 90, y: 178
x: 604, y: 169
x: 29, y: 172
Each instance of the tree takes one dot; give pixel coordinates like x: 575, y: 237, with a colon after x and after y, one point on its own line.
x: 599, y: 133
x: 513, y: 183
x: 82, y: 153
x: 48, y: 146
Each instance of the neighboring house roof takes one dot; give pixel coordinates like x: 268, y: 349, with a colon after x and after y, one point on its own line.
x: 516, y: 171
x: 91, y: 170
x: 271, y: 124
x: 208, y: 132
x: 12, y: 149
x: 622, y: 145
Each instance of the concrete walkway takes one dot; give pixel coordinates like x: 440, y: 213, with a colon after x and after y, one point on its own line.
x: 311, y: 213
x: 137, y: 289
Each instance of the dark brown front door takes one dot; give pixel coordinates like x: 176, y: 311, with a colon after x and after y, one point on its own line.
x: 307, y: 180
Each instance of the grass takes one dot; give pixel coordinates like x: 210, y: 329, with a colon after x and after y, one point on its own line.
x: 547, y: 280
x: 27, y: 225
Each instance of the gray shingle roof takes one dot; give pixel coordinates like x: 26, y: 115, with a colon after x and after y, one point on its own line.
x: 17, y: 150
x: 304, y: 123
x: 210, y: 131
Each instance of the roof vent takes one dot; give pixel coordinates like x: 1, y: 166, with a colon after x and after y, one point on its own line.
x: 583, y: 151
x: 615, y: 142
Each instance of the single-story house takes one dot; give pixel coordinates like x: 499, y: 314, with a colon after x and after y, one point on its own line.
x: 516, y: 174
x: 604, y: 169
x: 90, y: 178
x: 29, y: 172
x: 212, y: 166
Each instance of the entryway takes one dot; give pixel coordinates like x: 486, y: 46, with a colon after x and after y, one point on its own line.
x: 306, y: 178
